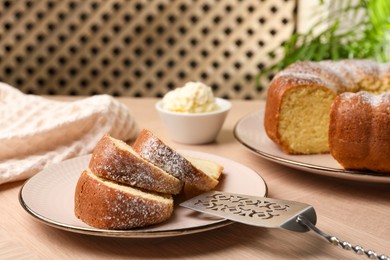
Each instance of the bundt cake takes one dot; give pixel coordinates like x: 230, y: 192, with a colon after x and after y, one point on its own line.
x: 299, y: 100
x: 359, y: 131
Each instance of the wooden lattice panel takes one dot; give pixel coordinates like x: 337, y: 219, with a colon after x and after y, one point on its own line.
x: 140, y: 48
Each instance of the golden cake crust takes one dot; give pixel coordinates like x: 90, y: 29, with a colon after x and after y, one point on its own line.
x: 359, y: 131
x: 107, y: 205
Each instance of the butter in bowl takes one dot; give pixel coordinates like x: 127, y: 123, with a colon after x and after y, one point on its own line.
x: 192, y: 115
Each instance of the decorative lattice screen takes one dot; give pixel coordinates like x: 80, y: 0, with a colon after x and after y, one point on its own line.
x: 140, y: 48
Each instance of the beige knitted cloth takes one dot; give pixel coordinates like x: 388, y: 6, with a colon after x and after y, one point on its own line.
x: 35, y: 131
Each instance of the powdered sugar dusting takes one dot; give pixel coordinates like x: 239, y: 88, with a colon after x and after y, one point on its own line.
x: 340, y: 76
x: 113, y: 162
x: 154, y: 150
x: 167, y: 159
x: 303, y: 78
x: 372, y: 99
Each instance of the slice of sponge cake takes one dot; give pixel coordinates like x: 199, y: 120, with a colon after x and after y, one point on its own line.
x: 115, y: 160
x: 108, y: 205
x: 154, y: 150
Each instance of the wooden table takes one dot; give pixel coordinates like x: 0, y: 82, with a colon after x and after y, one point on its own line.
x: 353, y: 211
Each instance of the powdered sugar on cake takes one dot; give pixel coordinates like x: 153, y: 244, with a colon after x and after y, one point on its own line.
x: 152, y: 149
x: 341, y: 76
x: 369, y: 98
x: 114, y: 160
x: 167, y: 159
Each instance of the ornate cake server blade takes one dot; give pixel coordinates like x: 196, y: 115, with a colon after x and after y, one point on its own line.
x: 269, y: 213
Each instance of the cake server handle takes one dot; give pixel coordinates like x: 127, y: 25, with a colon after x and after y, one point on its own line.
x: 343, y: 244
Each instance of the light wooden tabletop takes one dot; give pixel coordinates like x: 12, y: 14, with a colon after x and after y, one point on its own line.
x: 353, y: 211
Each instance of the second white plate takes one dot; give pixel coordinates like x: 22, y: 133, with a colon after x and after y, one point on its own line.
x: 49, y: 197
x: 251, y: 133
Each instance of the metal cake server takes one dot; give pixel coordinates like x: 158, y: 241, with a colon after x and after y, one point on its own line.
x: 269, y: 213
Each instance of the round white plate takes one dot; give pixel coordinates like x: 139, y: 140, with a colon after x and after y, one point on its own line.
x: 49, y: 197
x: 251, y: 133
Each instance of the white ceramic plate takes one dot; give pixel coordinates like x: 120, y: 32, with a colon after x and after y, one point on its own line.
x: 49, y: 195
x: 251, y: 133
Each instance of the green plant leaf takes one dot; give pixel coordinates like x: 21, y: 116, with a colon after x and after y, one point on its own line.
x: 368, y: 39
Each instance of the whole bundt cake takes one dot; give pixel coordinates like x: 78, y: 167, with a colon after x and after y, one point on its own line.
x: 299, y: 100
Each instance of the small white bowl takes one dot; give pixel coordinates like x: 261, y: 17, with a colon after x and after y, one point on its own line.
x: 195, y: 128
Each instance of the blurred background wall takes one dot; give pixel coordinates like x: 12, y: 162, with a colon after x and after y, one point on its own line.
x: 141, y: 48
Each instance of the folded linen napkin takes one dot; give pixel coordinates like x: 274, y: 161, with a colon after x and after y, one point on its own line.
x: 35, y: 131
